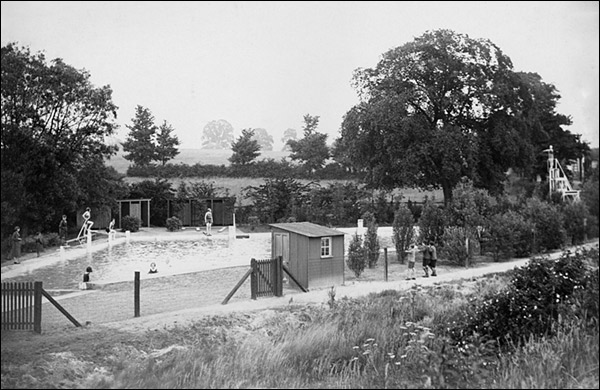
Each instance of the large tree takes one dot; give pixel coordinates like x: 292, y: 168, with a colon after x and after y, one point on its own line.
x: 289, y: 134
x: 264, y: 139
x: 166, y: 143
x: 54, y: 124
x: 245, y: 149
x: 217, y: 135
x: 140, y: 141
x: 437, y: 109
x: 312, y: 149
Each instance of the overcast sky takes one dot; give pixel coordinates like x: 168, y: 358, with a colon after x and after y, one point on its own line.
x: 267, y: 64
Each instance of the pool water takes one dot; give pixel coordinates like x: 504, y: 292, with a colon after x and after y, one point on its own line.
x: 119, y: 262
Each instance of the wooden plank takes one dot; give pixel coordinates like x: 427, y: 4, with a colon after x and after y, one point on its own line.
x: 60, y: 308
x: 237, y: 286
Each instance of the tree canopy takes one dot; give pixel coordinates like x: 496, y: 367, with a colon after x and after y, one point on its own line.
x: 312, y: 149
x: 245, y: 149
x: 217, y: 135
x: 443, y: 107
x: 54, y: 124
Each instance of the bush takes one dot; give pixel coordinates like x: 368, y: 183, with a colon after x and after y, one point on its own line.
x: 130, y: 223
x: 548, y: 223
x: 173, y: 224
x: 455, y: 249
x: 509, y: 234
x: 403, y: 231
x: 536, y: 297
x: 574, y: 215
x: 371, y: 242
x: 432, y: 223
x: 356, y: 256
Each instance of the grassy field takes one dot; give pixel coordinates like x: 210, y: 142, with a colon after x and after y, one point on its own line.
x: 392, y: 339
x: 234, y: 185
x: 196, y: 156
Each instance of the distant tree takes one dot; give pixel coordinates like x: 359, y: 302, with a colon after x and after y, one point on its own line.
x: 264, y: 139
x: 311, y: 150
x: 289, y: 135
x: 245, y: 149
x: 217, y: 135
x: 54, y: 124
x: 140, y: 141
x: 276, y: 199
x: 166, y: 143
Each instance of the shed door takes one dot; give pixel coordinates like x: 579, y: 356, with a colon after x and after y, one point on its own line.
x: 282, y: 248
x: 135, y: 210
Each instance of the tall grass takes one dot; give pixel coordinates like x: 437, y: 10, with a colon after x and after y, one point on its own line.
x: 393, y: 339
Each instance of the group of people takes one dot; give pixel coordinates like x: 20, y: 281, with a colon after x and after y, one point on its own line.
x: 429, y: 260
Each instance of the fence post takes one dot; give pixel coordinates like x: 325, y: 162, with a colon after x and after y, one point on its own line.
x: 385, y: 267
x: 136, y: 294
x: 278, y: 276
x: 253, y: 279
x: 37, y: 307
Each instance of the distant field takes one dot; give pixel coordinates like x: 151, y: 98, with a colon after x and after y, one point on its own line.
x: 236, y: 185
x: 196, y: 156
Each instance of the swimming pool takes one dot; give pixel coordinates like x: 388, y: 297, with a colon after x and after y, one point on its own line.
x: 118, y: 262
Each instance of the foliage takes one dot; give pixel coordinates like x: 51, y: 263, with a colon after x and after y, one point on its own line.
x: 548, y: 224
x: 264, y: 139
x: 245, y: 149
x: 538, y: 295
x: 159, y: 191
x: 455, y: 245
x: 509, y: 234
x: 403, y: 231
x: 470, y: 207
x: 288, y: 135
x: 447, y: 106
x: 277, y: 199
x: 173, y: 224
x: 140, y: 140
x: 575, y: 217
x: 371, y: 241
x: 130, y: 223
x: 54, y: 124
x: 334, y: 204
x: 166, y: 143
x: 312, y: 149
x: 356, y: 259
x: 432, y: 223
x: 217, y: 134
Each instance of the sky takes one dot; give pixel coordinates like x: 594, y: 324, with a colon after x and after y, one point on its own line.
x: 267, y: 64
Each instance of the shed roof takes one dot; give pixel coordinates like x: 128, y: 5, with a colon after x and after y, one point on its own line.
x: 308, y: 229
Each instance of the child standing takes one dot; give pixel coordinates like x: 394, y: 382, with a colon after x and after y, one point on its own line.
x: 412, y: 257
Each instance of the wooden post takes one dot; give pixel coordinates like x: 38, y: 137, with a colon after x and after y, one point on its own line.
x: 136, y: 294
x: 37, y: 307
x: 385, y: 266
x: 253, y: 279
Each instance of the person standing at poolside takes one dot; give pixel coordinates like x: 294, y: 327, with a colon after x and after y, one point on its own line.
x: 426, y: 258
x: 63, y: 229
x: 433, y: 259
x: 208, y: 220
x: 16, y: 244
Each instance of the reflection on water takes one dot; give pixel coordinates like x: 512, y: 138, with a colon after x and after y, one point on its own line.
x: 119, y: 262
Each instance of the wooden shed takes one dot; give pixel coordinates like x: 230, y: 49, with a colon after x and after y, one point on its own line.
x: 191, y: 211
x: 139, y: 208
x: 314, y: 254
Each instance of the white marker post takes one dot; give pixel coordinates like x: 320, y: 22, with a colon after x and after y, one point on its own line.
x: 127, y: 235
x: 360, y: 230
x: 89, y: 240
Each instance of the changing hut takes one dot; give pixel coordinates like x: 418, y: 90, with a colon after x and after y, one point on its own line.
x: 314, y: 254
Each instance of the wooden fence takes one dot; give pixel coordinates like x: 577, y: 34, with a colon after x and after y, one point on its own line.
x: 22, y: 306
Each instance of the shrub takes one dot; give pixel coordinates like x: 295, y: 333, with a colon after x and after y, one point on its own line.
x: 356, y: 256
x: 574, y: 215
x: 371, y: 242
x: 130, y: 223
x: 455, y: 248
x: 173, y: 224
x: 548, y: 223
x: 403, y: 231
x: 535, y: 298
x: 509, y: 234
x: 432, y: 223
